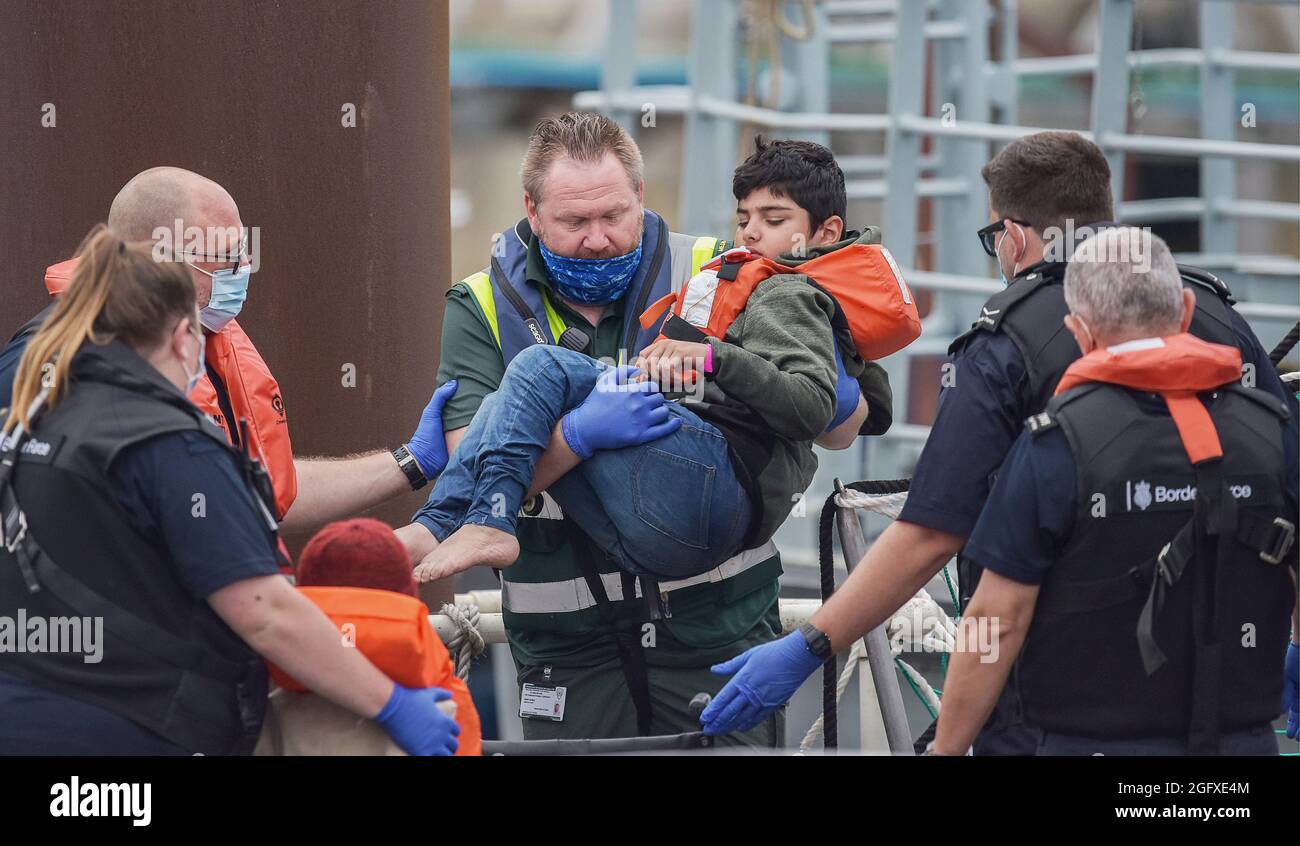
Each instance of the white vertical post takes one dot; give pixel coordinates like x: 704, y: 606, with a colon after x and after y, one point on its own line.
x: 1219, y: 116
x: 906, y: 93
x: 710, y: 148
x: 618, y: 65
x: 1110, y: 84
x: 880, y: 706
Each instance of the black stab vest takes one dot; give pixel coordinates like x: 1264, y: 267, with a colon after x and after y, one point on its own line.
x: 169, y: 663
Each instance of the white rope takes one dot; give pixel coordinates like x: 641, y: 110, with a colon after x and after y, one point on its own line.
x: 467, y: 644
x: 857, y: 653
x: 927, y: 692
x: 921, y: 626
x: 887, y: 504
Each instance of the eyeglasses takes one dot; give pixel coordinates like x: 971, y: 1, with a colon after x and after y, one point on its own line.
x: 988, y: 234
x: 235, y: 261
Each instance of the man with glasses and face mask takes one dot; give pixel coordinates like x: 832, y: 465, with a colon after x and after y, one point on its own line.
x: 1043, y: 188
x: 237, y: 383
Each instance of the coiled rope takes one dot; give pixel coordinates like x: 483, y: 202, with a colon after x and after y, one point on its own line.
x: 467, y: 644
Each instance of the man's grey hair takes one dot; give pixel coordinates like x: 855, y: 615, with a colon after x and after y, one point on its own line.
x: 584, y: 137
x: 1123, y: 281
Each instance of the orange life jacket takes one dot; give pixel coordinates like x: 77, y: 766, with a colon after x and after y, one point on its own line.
x: 1177, y: 367
x: 863, y: 279
x: 393, y: 631
x: 254, y: 395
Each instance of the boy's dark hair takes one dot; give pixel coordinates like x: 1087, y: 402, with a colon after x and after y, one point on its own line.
x: 802, y: 171
x: 1048, y: 178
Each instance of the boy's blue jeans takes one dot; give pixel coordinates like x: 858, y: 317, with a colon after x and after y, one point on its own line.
x: 669, y: 509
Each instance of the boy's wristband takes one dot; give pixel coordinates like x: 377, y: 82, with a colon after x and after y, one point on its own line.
x: 708, y: 357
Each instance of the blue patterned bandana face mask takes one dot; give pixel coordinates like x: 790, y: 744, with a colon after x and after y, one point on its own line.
x: 591, y: 281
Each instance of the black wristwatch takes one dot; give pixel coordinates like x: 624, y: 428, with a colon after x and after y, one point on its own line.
x: 410, y: 467
x: 818, y: 643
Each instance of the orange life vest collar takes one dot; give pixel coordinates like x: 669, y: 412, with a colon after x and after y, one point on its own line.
x: 862, y: 278
x: 1178, y: 367
x: 59, y: 276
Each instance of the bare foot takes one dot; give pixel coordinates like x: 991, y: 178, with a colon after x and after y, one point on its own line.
x: 468, y: 546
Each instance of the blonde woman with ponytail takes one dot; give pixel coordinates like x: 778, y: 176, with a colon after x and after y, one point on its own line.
x: 119, y: 293
x: 129, y: 517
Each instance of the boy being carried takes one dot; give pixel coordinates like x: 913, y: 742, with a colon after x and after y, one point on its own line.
x: 722, y: 470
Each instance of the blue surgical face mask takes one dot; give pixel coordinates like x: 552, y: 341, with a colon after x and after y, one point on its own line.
x: 1015, y: 265
x: 200, y: 370
x: 591, y: 281
x: 229, y: 290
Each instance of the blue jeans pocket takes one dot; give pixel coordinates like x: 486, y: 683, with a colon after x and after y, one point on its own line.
x: 671, y: 495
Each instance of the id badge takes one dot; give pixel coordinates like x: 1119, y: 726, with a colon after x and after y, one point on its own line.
x: 545, y: 703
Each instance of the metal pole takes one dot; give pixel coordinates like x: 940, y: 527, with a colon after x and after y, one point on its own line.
x: 1218, y: 122
x: 906, y: 95
x: 618, y: 65
x: 1009, y: 38
x: 888, y: 694
x: 1110, y: 84
x: 710, y: 154
x: 810, y: 60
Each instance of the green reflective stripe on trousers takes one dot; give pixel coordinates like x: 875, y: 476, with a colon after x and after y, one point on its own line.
x: 573, y: 594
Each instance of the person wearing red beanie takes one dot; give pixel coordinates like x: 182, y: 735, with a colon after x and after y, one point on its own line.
x: 358, y: 573
x: 356, y: 553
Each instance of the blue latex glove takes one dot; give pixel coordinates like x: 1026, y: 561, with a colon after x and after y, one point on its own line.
x: 847, y: 392
x: 1291, y: 692
x: 429, y: 444
x: 415, y: 723
x: 766, y: 677
x: 618, y: 413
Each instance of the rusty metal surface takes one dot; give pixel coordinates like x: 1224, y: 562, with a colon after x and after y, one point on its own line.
x: 353, y: 221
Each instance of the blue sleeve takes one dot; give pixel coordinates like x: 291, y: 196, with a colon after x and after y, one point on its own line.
x: 9, y: 358
x: 977, y: 421
x: 1030, y: 512
x: 185, y: 492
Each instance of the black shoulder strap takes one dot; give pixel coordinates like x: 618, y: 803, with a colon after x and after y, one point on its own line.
x: 630, y: 656
x: 998, y: 306
x: 517, y: 302
x: 226, y: 406
x: 647, y: 285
